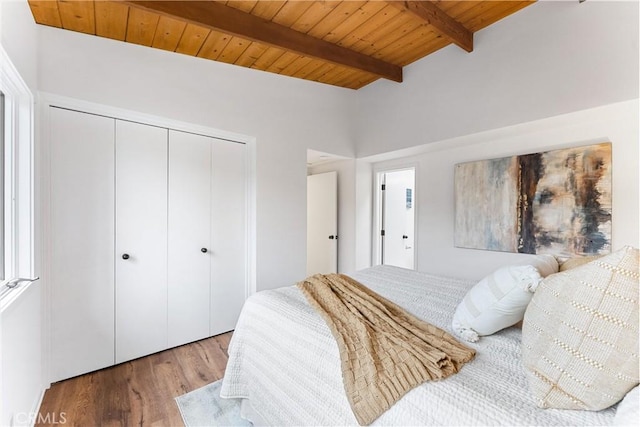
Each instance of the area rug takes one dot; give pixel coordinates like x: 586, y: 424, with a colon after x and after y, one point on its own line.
x: 204, y: 407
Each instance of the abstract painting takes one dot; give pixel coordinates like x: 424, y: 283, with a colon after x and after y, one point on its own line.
x: 557, y: 202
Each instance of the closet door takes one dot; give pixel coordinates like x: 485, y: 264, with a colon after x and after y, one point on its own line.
x: 141, y: 240
x: 228, y: 234
x: 189, y: 237
x: 82, y: 227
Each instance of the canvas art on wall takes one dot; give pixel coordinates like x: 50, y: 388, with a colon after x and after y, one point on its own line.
x: 556, y: 202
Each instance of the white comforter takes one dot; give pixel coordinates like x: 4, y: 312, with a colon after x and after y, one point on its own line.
x: 283, y: 359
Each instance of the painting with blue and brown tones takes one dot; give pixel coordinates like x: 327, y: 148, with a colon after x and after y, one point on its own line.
x: 556, y: 202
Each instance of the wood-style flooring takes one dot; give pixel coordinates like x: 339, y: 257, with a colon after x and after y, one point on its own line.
x: 136, y: 393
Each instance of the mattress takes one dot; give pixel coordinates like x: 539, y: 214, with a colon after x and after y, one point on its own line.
x: 284, y: 360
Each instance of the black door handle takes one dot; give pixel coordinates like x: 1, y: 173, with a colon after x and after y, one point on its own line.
x: 405, y: 237
x: 125, y: 256
x: 203, y: 250
x: 332, y: 237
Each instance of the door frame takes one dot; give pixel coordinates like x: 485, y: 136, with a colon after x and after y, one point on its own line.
x: 376, y: 241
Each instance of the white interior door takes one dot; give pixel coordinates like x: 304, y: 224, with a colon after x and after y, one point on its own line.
x: 82, y: 227
x: 228, y: 252
x: 322, y: 223
x: 398, y: 218
x: 189, y: 231
x: 141, y: 240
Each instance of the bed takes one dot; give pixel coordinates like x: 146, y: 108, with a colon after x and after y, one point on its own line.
x: 285, y: 366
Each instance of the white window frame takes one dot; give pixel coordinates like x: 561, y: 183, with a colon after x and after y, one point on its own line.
x: 19, y: 213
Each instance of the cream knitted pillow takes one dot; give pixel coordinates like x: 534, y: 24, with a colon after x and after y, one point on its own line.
x: 580, y: 334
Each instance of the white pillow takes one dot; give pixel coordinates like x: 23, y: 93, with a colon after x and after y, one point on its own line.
x: 628, y: 411
x: 496, y: 302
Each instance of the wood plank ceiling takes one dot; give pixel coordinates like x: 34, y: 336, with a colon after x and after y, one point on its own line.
x: 346, y: 43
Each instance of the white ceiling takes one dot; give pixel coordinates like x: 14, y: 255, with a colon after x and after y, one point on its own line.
x: 315, y: 158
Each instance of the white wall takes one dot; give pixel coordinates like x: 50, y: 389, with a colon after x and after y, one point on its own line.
x: 22, y: 384
x: 19, y: 38
x: 617, y: 123
x: 20, y: 329
x: 285, y: 115
x: 363, y: 214
x: 551, y: 58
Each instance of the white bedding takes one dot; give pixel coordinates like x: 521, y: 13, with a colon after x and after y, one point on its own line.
x: 283, y: 359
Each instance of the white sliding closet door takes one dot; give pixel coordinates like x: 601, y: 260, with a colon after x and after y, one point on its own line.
x: 82, y: 222
x: 141, y: 240
x: 228, y: 234
x: 147, y: 237
x: 189, y: 237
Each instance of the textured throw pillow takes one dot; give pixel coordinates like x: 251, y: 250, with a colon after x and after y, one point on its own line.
x: 580, y: 334
x: 496, y: 302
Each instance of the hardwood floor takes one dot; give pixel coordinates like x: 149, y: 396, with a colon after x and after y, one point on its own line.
x: 140, y: 392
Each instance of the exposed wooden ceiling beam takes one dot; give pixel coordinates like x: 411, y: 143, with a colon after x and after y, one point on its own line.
x: 445, y: 24
x: 219, y: 17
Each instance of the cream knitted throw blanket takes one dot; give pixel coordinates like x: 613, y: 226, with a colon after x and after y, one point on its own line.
x: 384, y: 350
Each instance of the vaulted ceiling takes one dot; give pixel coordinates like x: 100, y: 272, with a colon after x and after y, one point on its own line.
x: 343, y: 43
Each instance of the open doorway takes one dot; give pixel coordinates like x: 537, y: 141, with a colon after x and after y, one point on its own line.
x: 396, y: 218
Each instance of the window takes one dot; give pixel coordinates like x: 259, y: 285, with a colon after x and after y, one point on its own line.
x: 16, y: 182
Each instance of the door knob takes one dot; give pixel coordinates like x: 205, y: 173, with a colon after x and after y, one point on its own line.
x: 405, y: 237
x: 125, y: 256
x: 333, y: 237
x: 203, y: 250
